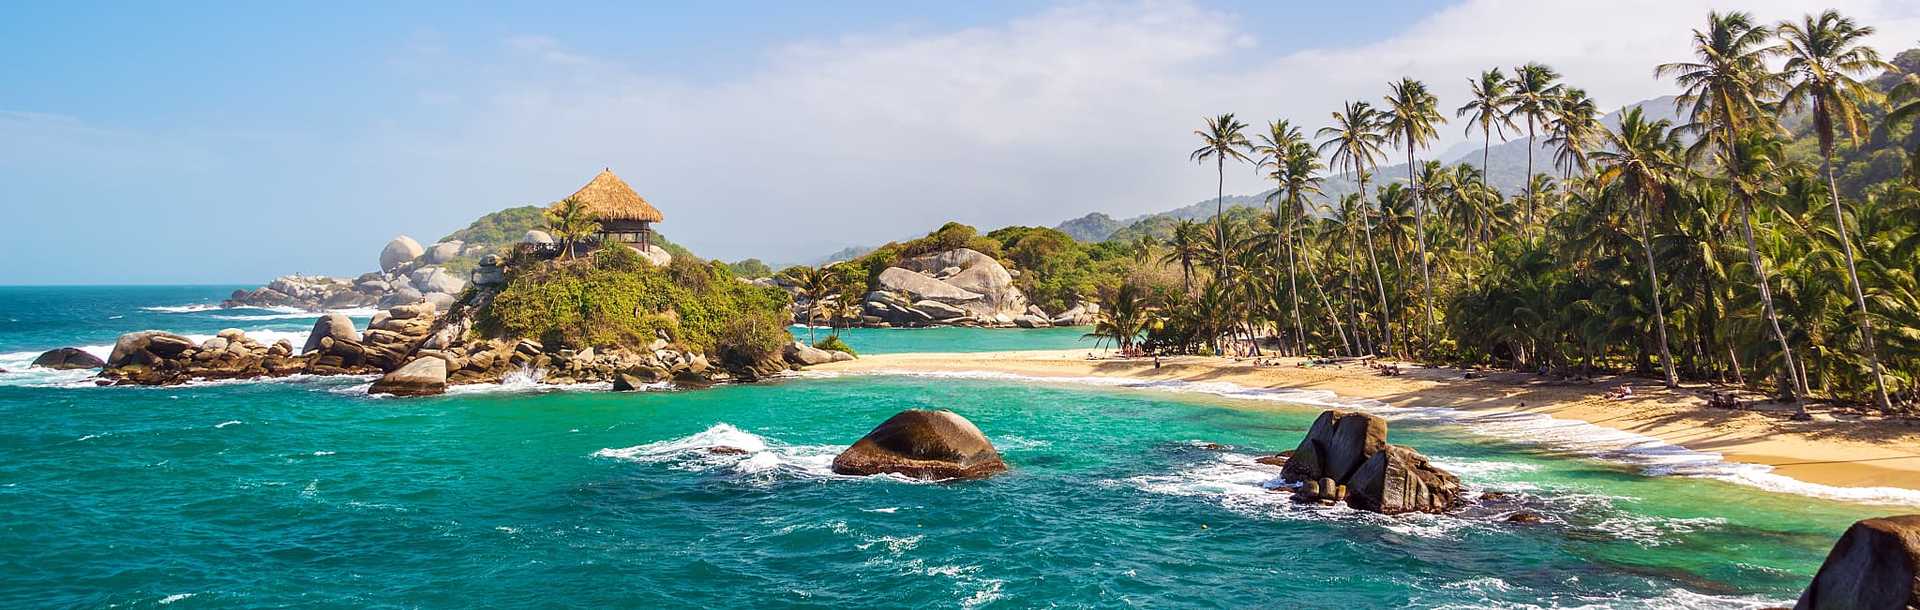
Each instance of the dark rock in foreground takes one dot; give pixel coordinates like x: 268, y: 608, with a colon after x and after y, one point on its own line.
x: 424, y: 376
x: 68, y: 358
x: 922, y: 444
x: 1345, y: 457
x: 1876, y: 564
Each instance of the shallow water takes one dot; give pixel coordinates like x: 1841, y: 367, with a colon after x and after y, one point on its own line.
x: 307, y: 492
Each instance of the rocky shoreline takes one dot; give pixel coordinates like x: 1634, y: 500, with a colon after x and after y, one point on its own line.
x: 409, y: 273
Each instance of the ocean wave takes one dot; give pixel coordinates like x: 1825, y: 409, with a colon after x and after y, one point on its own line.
x: 293, y: 313
x: 189, y: 308
x: 725, y: 448
x: 1650, y: 456
x: 22, y: 373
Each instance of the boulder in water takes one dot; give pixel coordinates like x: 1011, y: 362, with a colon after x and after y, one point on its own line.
x: 806, y: 355
x: 1876, y: 564
x: 1337, y: 444
x: 424, y: 376
x: 922, y: 444
x: 146, y: 347
x: 331, y: 326
x: 1400, y: 480
x: 68, y: 358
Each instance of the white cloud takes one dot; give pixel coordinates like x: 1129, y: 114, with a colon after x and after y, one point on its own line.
x: 1074, y: 109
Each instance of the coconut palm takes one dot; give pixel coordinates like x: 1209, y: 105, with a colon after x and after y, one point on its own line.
x: 1412, y: 113
x: 1353, y: 142
x: 1572, y: 130
x: 1534, y: 92
x: 1184, y: 247
x: 815, y: 284
x: 1224, y: 138
x: 570, y: 222
x: 1641, y: 160
x: 1283, y: 150
x: 1725, y: 85
x: 1489, y: 110
x: 1823, y: 55
x: 1124, y: 315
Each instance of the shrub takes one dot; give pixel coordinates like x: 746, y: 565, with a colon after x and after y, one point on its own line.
x: 833, y: 342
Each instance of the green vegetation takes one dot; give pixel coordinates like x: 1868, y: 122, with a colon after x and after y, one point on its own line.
x: 1055, y: 270
x: 1769, y: 238
x: 750, y: 268
x: 614, y: 297
x: 501, y: 228
x: 833, y: 343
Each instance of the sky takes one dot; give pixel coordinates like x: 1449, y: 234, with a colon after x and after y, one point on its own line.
x: 235, y: 142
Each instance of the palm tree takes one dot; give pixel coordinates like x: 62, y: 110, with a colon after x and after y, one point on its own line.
x: 1124, y: 314
x: 1224, y: 138
x: 1185, y: 245
x: 1411, y: 116
x: 1533, y: 98
x: 816, y: 284
x: 1575, y: 124
x: 1641, y: 160
x: 1354, y: 142
x: 1489, y: 110
x: 570, y: 222
x: 1534, y: 92
x: 1724, y: 87
x: 1284, y: 149
x: 1823, y: 53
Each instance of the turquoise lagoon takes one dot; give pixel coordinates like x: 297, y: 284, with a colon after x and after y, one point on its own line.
x: 305, y: 492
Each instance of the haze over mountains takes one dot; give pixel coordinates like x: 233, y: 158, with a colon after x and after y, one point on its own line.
x: 1506, y: 170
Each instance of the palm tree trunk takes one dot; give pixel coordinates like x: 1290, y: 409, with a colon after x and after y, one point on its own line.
x: 1293, y: 291
x: 1219, y: 211
x: 1420, y: 228
x: 1794, y: 380
x: 1653, y: 286
x: 1530, y: 200
x: 1853, y: 275
x: 1333, y: 315
x: 1386, y: 317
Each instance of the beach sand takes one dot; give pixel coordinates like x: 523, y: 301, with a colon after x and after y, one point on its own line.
x: 1832, y: 450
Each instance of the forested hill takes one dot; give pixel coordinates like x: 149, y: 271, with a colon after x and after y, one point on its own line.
x: 1506, y: 166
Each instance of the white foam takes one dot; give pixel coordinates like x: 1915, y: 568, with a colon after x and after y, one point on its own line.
x: 174, y: 598
x: 723, y: 447
x: 190, y: 308
x: 291, y: 313
x: 230, y: 422
x: 1652, y: 456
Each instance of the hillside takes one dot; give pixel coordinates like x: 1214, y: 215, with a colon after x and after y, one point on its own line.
x: 1506, y: 169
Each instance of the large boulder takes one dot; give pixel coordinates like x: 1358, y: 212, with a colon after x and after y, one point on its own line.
x: 1337, y: 444
x: 424, y: 376
x: 939, y: 311
x: 922, y: 444
x: 536, y: 236
x: 1876, y: 564
x: 977, y: 273
x: 919, y: 286
x: 68, y: 358
x: 436, y: 279
x: 656, y: 255
x: 444, y: 252
x: 1400, y: 480
x: 334, y: 326
x: 400, y: 251
x: 146, y: 347
x: 806, y: 355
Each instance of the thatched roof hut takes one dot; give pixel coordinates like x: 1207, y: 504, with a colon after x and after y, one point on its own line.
x: 609, y: 199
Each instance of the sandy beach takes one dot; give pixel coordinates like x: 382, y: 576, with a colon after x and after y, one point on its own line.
x: 1831, y: 450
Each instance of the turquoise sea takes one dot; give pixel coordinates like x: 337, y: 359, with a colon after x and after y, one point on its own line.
x: 306, y: 492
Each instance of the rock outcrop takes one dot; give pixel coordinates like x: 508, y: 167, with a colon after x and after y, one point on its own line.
x: 922, y: 444
x: 955, y: 287
x: 68, y: 358
x: 806, y: 355
x: 157, y: 358
x: 398, y: 252
x: 423, y: 376
x: 1345, y: 457
x: 331, y: 326
x: 1876, y: 564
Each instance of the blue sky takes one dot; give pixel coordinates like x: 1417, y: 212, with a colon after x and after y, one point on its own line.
x: 232, y: 142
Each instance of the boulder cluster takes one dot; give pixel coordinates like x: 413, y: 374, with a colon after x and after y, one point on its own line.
x: 160, y: 358
x: 409, y: 273
x: 1346, y: 458
x: 959, y: 287
x: 922, y: 444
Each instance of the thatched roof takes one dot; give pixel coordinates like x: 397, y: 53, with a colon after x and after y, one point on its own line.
x: 609, y: 198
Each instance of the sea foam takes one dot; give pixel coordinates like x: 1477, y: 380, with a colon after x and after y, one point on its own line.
x: 1651, y: 456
